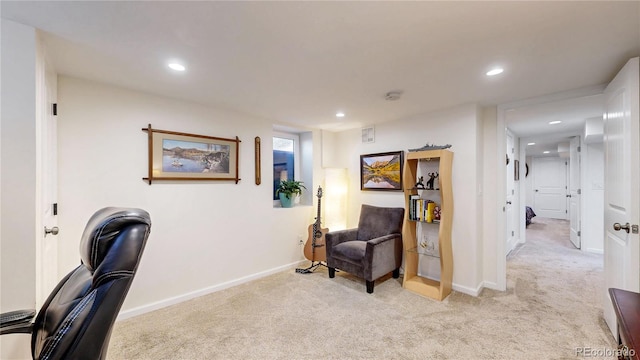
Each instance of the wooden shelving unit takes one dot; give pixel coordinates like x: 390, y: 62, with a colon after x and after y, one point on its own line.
x: 421, y: 284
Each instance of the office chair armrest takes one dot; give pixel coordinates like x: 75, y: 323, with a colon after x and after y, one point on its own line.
x: 15, y: 322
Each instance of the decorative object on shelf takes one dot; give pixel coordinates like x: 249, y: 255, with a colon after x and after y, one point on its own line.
x: 382, y: 171
x: 431, y: 147
x: 258, y: 175
x: 430, y: 206
x: 181, y: 156
x: 420, y: 183
x: 431, y: 181
x: 436, y: 213
x: 288, y: 190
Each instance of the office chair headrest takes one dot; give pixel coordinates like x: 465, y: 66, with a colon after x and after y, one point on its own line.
x: 102, y: 230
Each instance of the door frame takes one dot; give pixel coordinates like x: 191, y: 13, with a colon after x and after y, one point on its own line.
x: 46, y: 261
x: 501, y: 141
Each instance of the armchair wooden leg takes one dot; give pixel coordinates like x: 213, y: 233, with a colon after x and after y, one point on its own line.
x: 396, y: 273
x: 369, y: 286
x: 332, y: 272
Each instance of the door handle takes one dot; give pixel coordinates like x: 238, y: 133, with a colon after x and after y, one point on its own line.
x: 536, y: 190
x: 618, y: 227
x: 569, y: 195
x: 53, y: 231
x: 509, y: 202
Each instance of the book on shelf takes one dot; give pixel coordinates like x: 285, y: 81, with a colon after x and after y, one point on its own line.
x: 422, y: 209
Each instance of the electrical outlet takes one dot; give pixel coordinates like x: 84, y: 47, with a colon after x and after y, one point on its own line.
x: 300, y: 240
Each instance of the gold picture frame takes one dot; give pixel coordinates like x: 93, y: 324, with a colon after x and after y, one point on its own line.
x: 181, y: 156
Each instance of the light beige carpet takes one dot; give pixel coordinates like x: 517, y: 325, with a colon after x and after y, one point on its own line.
x: 552, y: 307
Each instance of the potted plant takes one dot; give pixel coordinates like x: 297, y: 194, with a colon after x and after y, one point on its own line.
x: 288, y: 190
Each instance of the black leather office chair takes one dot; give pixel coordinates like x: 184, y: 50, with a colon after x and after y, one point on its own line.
x: 76, y: 320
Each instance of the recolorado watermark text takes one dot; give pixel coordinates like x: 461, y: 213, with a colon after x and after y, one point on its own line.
x: 589, y: 352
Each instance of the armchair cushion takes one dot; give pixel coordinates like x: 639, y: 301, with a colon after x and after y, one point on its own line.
x: 351, y: 251
x: 376, y: 221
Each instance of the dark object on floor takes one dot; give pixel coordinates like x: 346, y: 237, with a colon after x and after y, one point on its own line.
x: 625, y: 304
x: 529, y: 214
x: 75, y: 321
x: 371, y: 250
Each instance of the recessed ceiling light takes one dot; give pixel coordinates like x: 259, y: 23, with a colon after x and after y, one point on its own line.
x: 340, y: 114
x: 554, y: 122
x: 546, y: 152
x: 495, y: 71
x: 177, y: 67
x: 531, y: 143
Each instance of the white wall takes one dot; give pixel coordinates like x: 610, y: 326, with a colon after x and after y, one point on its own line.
x: 592, y: 206
x: 489, y: 203
x: 18, y: 178
x: 529, y: 183
x: 460, y: 127
x: 205, y: 235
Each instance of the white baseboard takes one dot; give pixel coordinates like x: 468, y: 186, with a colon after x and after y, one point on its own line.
x: 594, y: 251
x: 208, y: 290
x: 468, y: 290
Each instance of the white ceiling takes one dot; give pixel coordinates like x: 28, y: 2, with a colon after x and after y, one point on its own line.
x: 299, y: 63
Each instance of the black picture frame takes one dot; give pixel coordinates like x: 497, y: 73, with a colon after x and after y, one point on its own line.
x: 381, y: 171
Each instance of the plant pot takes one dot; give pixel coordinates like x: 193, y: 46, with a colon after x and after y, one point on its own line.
x: 287, y: 202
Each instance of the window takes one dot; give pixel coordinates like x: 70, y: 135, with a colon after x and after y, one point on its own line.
x: 293, y: 160
x: 284, y: 159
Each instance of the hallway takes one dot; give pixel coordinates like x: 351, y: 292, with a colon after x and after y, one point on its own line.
x: 549, y: 266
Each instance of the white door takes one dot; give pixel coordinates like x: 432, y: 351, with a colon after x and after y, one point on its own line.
x: 47, y: 247
x: 622, y: 185
x: 550, y: 187
x: 510, y: 196
x: 574, y: 191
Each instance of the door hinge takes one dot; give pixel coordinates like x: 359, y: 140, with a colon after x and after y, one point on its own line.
x: 566, y: 211
x: 579, y: 232
x: 579, y: 148
x: 54, y: 109
x: 513, y: 233
x: 55, y: 209
x: 579, y: 191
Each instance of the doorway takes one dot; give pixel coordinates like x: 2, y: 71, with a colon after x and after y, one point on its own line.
x: 539, y: 126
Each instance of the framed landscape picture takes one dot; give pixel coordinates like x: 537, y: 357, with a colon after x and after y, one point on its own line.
x: 382, y: 171
x: 181, y: 156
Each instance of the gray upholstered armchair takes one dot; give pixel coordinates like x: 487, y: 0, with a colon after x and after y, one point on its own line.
x: 371, y: 250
